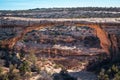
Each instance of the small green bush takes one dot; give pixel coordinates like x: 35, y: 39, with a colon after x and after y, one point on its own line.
x: 117, y: 76
x: 24, y: 67
x: 112, y: 73
x: 103, y: 75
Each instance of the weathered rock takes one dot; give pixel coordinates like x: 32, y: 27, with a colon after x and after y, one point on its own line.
x: 107, y: 42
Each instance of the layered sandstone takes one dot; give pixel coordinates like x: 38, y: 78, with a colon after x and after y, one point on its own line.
x: 108, y: 41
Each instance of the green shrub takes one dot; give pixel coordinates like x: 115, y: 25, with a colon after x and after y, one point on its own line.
x: 4, y: 77
x: 112, y: 73
x: 24, y: 67
x: 117, y: 76
x: 32, y: 58
x: 11, y: 75
x: 103, y: 75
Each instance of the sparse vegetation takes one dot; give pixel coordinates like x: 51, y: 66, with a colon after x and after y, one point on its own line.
x: 103, y: 76
x: 24, y: 68
x: 11, y: 75
x: 32, y: 58
x: 111, y: 73
x: 100, y: 12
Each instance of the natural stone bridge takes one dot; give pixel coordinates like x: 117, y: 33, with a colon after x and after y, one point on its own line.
x: 109, y: 42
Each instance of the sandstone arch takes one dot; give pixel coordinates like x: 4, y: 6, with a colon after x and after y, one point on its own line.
x: 101, y: 34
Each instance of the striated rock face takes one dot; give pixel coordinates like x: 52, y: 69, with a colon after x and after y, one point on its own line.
x: 113, y: 31
x: 109, y: 42
x: 115, y: 45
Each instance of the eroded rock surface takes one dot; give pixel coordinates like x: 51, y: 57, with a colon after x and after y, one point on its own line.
x: 106, y: 34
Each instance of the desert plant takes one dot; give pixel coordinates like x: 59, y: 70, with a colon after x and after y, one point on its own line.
x: 11, y: 74
x: 117, y: 76
x: 4, y: 77
x: 32, y: 58
x: 24, y: 67
x: 110, y: 73
x: 11, y: 68
x: 102, y: 75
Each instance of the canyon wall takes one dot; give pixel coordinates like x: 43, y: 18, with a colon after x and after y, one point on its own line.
x: 109, y: 42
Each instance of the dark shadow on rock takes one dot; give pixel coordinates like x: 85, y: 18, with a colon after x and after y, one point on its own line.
x: 96, y: 66
x: 82, y: 75
x: 63, y: 75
